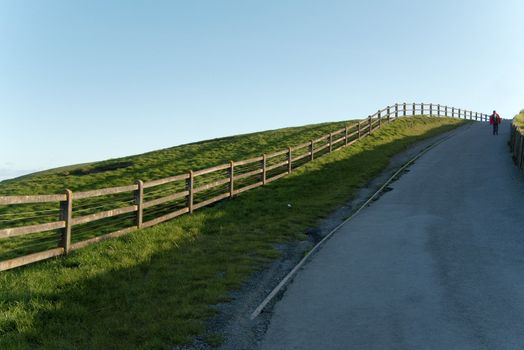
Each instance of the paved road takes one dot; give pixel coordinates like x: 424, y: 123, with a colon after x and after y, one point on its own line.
x: 436, y: 263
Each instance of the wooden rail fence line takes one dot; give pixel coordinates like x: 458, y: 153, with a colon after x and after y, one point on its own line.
x: 224, y: 181
x: 516, y: 144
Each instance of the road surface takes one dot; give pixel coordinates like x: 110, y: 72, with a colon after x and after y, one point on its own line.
x: 436, y: 263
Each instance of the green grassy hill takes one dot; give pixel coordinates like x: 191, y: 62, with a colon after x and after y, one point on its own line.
x: 125, y: 171
x: 163, y: 163
x: 154, y: 288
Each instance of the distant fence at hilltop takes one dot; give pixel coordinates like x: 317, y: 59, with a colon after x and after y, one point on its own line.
x: 145, y: 204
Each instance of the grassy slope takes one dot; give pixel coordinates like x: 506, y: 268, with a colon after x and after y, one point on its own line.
x: 153, y: 288
x: 148, y: 166
x: 167, y: 162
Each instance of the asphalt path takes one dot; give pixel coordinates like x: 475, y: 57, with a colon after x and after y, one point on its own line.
x: 435, y: 263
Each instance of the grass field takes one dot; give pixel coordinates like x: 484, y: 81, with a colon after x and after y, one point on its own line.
x: 153, y: 288
x: 164, y: 163
x: 125, y: 171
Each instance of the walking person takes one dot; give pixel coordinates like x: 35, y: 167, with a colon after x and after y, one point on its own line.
x: 495, y: 120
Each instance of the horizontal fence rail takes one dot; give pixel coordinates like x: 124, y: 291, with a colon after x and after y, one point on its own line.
x: 516, y: 144
x: 145, y: 204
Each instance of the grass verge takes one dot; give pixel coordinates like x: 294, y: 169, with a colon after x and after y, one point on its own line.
x: 125, y: 171
x: 153, y: 289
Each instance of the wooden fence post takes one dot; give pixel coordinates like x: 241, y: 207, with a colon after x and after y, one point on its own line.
x: 289, y: 160
x: 379, y: 119
x: 476, y: 115
x: 452, y: 112
x: 388, y: 112
x: 517, y: 146
x: 190, y: 184
x: 66, y: 214
x: 519, y: 154
x: 330, y: 142
x: 414, y: 108
x: 231, y: 178
x: 396, y: 110
x: 405, y: 111
x: 445, y: 111
x: 459, y: 113
x: 346, y: 136
x: 358, y: 128
x: 422, y: 109
x: 264, y: 171
x: 513, y: 135
x: 516, y: 150
x: 517, y: 141
x: 139, y: 202
x: 369, y: 122
x: 431, y: 109
x: 438, y: 110
x: 312, y: 156
x: 512, y: 139
x: 515, y: 138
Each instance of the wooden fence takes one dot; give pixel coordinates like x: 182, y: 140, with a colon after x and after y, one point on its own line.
x: 188, y: 192
x: 516, y: 145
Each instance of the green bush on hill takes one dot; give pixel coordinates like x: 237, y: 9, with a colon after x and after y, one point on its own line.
x: 519, y: 121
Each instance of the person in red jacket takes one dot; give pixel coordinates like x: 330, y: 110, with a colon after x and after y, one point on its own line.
x: 495, y: 120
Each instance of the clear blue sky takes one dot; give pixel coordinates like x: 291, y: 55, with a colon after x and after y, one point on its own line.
x: 89, y: 80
